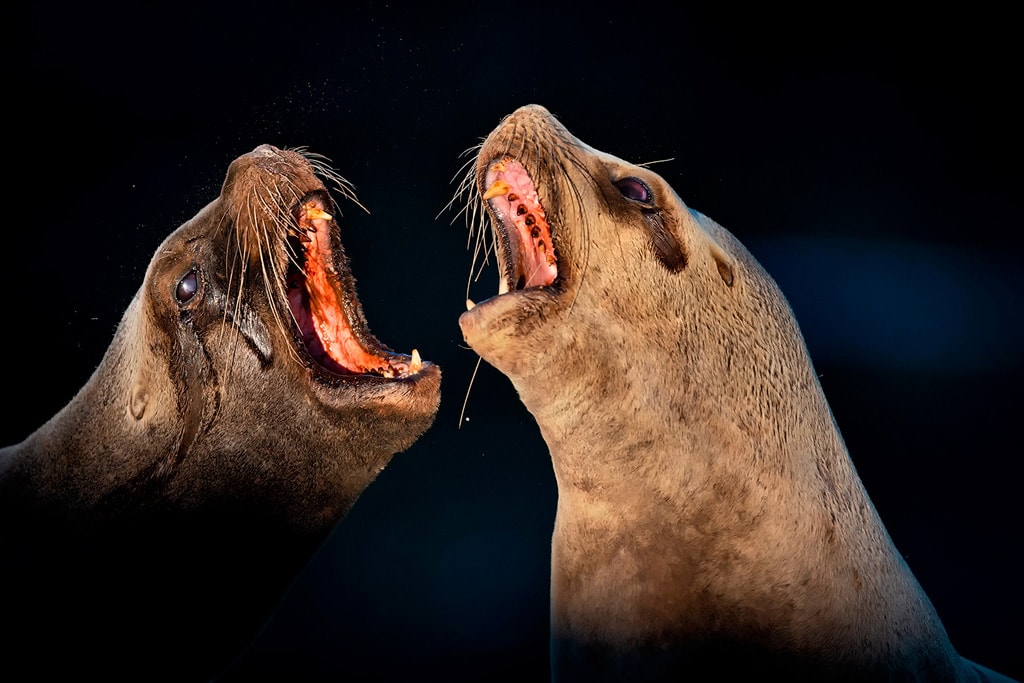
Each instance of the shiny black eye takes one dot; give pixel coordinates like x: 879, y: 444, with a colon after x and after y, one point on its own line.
x: 635, y: 189
x: 187, y: 287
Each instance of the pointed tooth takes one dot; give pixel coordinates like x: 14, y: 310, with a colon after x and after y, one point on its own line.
x: 416, y: 364
x: 470, y: 304
x: 312, y: 213
x: 502, y: 286
x: 498, y: 188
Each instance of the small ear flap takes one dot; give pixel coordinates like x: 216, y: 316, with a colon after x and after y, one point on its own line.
x: 724, y: 264
x: 139, y: 398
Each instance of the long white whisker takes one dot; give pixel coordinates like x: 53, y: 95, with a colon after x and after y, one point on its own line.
x: 465, y: 400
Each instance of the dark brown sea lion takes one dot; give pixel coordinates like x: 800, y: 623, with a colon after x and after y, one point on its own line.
x: 149, y: 527
x: 710, y: 524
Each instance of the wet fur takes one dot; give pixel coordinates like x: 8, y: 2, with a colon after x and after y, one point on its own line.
x: 150, y: 526
x: 710, y: 523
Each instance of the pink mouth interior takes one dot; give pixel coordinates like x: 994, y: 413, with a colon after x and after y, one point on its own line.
x: 520, y: 212
x: 318, y: 308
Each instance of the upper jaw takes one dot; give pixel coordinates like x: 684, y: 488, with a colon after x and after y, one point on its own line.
x: 529, y: 278
x: 330, y: 328
x: 524, y: 242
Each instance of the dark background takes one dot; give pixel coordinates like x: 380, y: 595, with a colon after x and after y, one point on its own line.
x: 869, y: 159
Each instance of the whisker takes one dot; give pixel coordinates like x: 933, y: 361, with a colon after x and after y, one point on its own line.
x: 647, y: 164
x: 269, y: 201
x: 232, y: 261
x: 466, y: 185
x: 465, y: 400
x: 344, y: 187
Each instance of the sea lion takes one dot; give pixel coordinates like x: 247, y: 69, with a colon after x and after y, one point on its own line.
x: 710, y: 524
x: 151, y: 525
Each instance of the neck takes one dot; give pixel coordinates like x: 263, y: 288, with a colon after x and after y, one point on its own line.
x: 698, y: 536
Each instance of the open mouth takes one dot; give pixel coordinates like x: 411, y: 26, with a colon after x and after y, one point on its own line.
x: 324, y: 305
x: 526, y: 251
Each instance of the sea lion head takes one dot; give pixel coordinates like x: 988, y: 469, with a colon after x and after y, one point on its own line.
x: 612, y: 291
x: 243, y: 372
x: 572, y: 223
x: 248, y: 350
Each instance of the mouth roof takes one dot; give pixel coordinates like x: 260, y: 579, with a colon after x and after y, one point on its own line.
x: 526, y: 253
x: 325, y: 314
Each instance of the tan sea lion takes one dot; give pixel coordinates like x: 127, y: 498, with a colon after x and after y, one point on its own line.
x: 150, y: 526
x: 710, y: 524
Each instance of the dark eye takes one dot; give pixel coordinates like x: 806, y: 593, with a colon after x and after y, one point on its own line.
x: 635, y: 189
x: 187, y: 287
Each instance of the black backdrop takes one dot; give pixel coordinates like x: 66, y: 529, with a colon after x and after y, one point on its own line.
x: 869, y: 159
